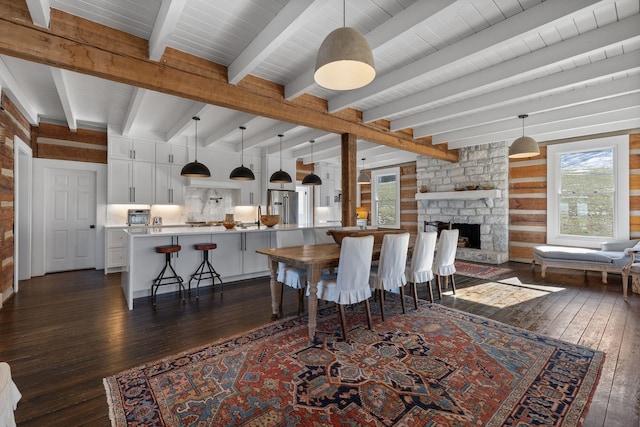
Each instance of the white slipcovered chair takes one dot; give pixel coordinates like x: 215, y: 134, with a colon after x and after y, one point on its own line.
x: 389, y: 273
x: 351, y: 284
x: 9, y: 396
x: 291, y: 276
x: 444, y: 265
x: 420, y: 269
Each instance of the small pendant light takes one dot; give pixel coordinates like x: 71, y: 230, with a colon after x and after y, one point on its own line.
x: 280, y: 177
x: 195, y: 169
x: 312, y: 178
x: 242, y: 173
x: 363, y: 178
x: 345, y: 60
x: 524, y: 146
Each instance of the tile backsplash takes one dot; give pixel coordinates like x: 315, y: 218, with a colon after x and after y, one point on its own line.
x: 200, y: 204
x: 209, y: 204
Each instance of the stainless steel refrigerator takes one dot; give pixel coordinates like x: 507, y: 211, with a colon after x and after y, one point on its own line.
x: 283, y: 203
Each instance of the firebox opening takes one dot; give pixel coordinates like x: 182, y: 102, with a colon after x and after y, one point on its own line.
x: 469, y: 234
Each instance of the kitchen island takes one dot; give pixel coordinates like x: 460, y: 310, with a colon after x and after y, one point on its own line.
x: 234, y: 259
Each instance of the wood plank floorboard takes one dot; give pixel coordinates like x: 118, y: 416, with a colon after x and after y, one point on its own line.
x: 64, y: 332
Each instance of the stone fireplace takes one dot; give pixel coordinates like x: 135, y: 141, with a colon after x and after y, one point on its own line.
x: 482, y: 212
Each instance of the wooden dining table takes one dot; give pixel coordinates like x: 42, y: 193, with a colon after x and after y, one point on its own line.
x: 312, y: 258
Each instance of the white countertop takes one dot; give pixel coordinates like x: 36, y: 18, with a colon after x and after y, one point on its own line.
x: 191, y: 230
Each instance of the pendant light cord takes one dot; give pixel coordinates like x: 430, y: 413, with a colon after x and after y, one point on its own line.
x: 242, y: 128
x: 523, y: 116
x: 344, y: 13
x: 196, y: 119
x: 280, y: 135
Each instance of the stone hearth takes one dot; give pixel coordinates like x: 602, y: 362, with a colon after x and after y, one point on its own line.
x: 484, y: 166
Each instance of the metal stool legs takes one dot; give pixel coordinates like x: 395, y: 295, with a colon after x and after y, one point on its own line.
x: 205, y: 271
x: 170, y: 279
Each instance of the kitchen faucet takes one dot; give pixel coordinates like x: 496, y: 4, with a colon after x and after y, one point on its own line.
x: 259, y: 215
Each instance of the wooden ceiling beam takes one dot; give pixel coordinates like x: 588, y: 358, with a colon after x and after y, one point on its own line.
x: 83, y: 46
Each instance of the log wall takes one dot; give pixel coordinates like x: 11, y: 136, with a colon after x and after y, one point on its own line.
x: 12, y: 124
x: 528, y: 201
x: 408, y: 190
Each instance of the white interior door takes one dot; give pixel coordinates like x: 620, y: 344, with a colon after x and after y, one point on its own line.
x: 70, y: 219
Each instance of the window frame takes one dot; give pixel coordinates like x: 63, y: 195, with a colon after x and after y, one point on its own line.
x: 374, y: 195
x: 620, y: 147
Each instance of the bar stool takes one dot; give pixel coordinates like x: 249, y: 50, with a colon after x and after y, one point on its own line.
x: 171, y: 279
x: 210, y: 272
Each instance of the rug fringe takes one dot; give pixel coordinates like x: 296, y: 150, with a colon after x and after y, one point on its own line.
x: 112, y: 414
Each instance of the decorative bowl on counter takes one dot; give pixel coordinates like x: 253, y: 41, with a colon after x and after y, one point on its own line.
x: 269, y: 220
x: 229, y: 225
x: 377, y: 233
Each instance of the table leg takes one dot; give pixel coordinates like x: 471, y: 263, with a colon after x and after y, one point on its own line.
x: 313, y: 275
x: 275, y: 289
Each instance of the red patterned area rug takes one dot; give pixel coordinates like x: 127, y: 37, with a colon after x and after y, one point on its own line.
x: 481, y: 271
x: 433, y: 366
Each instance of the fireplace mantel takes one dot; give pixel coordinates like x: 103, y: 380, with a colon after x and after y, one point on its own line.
x: 459, y: 195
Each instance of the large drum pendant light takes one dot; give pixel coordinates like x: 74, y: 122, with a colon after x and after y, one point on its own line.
x: 280, y: 176
x: 312, y: 178
x: 363, y: 178
x: 345, y: 60
x: 195, y: 169
x: 524, y: 146
x: 242, y: 173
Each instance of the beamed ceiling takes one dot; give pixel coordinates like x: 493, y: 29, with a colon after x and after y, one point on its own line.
x: 450, y: 74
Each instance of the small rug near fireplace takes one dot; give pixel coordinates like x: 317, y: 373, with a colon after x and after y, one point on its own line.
x: 481, y: 271
x: 433, y: 366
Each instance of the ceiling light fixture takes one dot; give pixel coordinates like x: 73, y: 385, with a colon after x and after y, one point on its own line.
x: 312, y: 178
x: 364, y: 177
x: 345, y: 60
x: 242, y: 173
x: 280, y: 177
x: 195, y: 169
x: 524, y: 146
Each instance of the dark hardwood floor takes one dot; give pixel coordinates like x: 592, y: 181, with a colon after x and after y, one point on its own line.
x: 62, y: 333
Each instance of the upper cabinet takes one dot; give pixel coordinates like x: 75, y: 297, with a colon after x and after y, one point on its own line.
x: 171, y: 154
x: 328, y: 194
x: 131, y: 171
x: 125, y: 148
x: 170, y: 185
x: 130, y: 182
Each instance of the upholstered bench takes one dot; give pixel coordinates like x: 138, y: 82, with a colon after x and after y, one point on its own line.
x: 611, y: 258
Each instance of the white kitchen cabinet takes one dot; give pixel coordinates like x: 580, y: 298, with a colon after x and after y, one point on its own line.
x: 253, y: 262
x: 131, y: 181
x: 251, y: 191
x: 131, y: 171
x: 171, y: 154
x: 125, y: 148
x: 325, y: 194
x: 115, y: 251
x: 170, y: 185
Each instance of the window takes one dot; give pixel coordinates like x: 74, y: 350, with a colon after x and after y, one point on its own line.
x: 588, y: 192
x: 385, y: 197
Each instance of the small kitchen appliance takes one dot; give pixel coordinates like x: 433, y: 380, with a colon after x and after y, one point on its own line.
x: 138, y: 216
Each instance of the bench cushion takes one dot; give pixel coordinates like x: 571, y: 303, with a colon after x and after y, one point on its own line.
x: 572, y: 254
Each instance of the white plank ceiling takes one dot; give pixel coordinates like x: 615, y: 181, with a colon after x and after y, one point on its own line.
x: 460, y: 71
